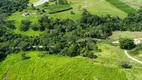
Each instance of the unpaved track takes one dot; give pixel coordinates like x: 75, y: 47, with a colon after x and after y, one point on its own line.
x: 126, y: 53
x: 40, y: 2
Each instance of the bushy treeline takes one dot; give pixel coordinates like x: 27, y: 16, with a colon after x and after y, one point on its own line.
x: 133, y: 22
x: 92, y: 25
x: 67, y: 37
x: 10, y: 6
x: 59, y: 1
x: 53, y: 41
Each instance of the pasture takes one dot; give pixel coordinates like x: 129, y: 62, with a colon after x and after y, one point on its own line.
x: 55, y: 67
x: 94, y: 6
x: 125, y: 34
x: 17, y: 17
x: 122, y: 6
x: 51, y: 67
x: 134, y: 3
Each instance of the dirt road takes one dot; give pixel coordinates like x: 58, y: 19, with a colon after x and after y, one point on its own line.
x: 126, y: 53
x: 40, y: 2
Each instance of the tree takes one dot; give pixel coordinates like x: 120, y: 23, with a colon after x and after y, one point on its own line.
x: 72, y: 12
x: 35, y: 27
x: 46, y: 4
x: 32, y: 6
x: 2, y: 18
x: 23, y: 56
x: 45, y: 22
x: 10, y: 6
x: 25, y: 25
x: 126, y: 43
x: 10, y: 25
x: 73, y: 50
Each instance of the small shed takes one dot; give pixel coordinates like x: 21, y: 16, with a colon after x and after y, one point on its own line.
x: 25, y: 14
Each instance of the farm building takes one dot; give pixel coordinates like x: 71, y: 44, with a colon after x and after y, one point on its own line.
x: 25, y: 14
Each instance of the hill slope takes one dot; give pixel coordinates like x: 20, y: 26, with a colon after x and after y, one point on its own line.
x: 53, y: 67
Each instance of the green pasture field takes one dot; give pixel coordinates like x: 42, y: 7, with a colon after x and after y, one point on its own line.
x: 136, y: 53
x: 134, y: 3
x: 51, y: 67
x: 55, y: 67
x: 122, y: 6
x: 94, y: 6
x: 17, y: 17
x: 55, y: 8
x: 125, y: 34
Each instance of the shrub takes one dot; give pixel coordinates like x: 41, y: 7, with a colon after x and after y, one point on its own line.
x: 35, y: 27
x: 125, y: 64
x: 126, y: 43
x: 25, y: 25
x: 72, y: 12
x: 23, y: 56
x: 89, y: 54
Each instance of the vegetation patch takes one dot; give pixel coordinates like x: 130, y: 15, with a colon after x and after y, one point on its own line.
x: 58, y: 8
x: 122, y: 6
x: 125, y: 34
x: 53, y: 67
x: 134, y: 3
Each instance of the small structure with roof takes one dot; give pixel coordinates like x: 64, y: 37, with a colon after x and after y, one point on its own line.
x: 25, y: 14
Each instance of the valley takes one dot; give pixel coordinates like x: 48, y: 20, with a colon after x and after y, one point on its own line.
x: 70, y: 40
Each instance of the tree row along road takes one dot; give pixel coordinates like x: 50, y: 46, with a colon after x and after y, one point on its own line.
x: 126, y: 53
x: 40, y: 2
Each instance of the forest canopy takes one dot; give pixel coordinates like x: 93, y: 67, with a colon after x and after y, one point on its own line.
x: 10, y: 6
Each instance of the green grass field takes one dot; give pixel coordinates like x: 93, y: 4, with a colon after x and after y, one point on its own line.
x: 17, y: 17
x: 94, y: 6
x: 136, y: 54
x: 55, y: 67
x: 122, y: 6
x: 134, y: 3
x: 125, y: 34
x: 56, y: 8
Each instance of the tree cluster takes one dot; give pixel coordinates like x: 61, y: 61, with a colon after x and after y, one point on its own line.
x: 68, y: 37
x: 10, y: 6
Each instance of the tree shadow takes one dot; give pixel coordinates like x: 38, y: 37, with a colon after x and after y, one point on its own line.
x: 2, y: 57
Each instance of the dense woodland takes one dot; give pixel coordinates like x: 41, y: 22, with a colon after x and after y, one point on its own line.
x: 10, y: 6
x: 65, y: 37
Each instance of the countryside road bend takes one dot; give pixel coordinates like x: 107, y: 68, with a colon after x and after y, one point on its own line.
x: 126, y: 53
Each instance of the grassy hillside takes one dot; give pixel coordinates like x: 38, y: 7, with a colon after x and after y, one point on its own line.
x: 56, y: 68
x: 51, y: 67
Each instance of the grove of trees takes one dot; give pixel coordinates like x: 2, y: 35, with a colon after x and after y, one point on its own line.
x: 10, y: 6
x: 67, y: 37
